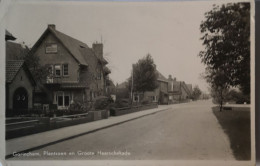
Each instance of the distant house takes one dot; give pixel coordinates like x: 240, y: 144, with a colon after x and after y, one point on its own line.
x: 110, y: 87
x: 123, y: 90
x: 178, y: 90
x: 20, y: 86
x: 78, y: 73
x: 159, y: 95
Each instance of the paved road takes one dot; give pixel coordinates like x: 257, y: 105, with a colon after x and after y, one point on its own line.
x: 186, y: 132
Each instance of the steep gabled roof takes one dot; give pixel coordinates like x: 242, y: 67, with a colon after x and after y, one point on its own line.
x: 176, y: 86
x: 15, y: 51
x: 161, y: 77
x: 189, y: 87
x: 73, y: 45
x: 9, y: 36
x: 13, y: 67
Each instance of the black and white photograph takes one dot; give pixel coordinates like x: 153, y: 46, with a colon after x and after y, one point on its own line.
x: 129, y: 81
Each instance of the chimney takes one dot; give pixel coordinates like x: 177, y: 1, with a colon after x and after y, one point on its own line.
x: 174, y: 79
x: 51, y: 26
x: 23, y: 45
x: 98, y: 49
x: 170, y: 77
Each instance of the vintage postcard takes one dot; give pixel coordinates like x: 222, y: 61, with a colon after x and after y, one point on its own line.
x: 128, y: 83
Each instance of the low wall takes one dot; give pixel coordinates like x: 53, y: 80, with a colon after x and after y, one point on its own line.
x: 127, y: 110
x: 46, y: 124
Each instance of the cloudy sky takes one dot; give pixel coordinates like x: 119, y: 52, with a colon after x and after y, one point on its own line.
x: 169, y: 31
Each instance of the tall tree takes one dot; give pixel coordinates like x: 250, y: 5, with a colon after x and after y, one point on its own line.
x: 226, y: 37
x: 144, y: 75
x: 196, y: 93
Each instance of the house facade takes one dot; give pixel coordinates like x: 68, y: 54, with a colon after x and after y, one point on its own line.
x: 76, y: 72
x: 20, y: 86
x: 178, y: 90
x: 160, y: 94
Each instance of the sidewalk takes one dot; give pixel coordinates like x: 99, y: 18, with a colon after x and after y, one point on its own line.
x: 31, y: 142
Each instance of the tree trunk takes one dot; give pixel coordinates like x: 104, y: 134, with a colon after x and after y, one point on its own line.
x: 221, y: 105
x: 221, y: 101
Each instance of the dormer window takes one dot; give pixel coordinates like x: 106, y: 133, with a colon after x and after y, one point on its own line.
x: 51, y: 48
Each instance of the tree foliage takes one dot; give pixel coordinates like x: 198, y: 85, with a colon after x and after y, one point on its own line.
x: 226, y: 38
x: 39, y: 72
x: 196, y: 93
x: 144, y: 75
x: 219, y: 84
x: 237, y: 97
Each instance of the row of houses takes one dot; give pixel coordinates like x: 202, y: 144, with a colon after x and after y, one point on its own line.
x: 169, y: 91
x: 77, y: 73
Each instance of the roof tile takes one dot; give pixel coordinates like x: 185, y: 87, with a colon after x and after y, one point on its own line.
x: 12, y: 68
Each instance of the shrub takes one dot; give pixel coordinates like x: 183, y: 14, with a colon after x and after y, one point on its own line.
x: 144, y: 102
x: 121, y: 103
x: 101, y: 103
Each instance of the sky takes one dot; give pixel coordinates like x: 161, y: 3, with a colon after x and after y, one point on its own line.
x: 169, y: 31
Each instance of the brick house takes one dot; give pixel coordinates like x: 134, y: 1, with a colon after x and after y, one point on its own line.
x: 178, y: 90
x: 77, y: 73
x: 159, y: 95
x: 20, y: 86
x: 19, y: 82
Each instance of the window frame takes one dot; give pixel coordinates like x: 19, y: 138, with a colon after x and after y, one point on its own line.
x: 134, y: 97
x: 99, y: 73
x: 60, y: 99
x: 59, y: 69
x: 64, y: 68
x: 64, y: 98
x: 154, y: 98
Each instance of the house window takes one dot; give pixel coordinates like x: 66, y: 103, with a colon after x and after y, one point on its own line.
x: 57, y: 70
x: 60, y: 100
x: 99, y: 74
x: 154, y: 98
x: 136, y: 98
x: 65, y: 69
x: 66, y: 100
x: 51, y: 48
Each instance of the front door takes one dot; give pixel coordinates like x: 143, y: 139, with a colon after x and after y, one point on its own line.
x: 20, y: 99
